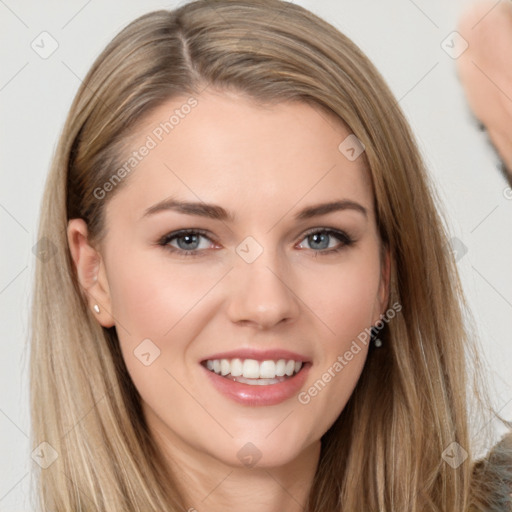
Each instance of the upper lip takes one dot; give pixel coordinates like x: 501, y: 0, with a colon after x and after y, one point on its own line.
x: 259, y: 355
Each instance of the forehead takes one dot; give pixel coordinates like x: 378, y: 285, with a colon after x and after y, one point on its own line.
x: 224, y: 148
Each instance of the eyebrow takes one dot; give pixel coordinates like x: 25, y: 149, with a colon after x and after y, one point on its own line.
x: 216, y: 212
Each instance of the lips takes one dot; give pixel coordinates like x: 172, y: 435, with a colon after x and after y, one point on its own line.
x: 259, y: 395
x: 257, y: 377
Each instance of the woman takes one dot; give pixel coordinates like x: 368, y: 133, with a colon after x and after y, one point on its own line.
x: 254, y: 369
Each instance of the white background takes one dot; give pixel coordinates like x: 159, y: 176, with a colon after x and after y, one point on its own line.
x: 403, y: 38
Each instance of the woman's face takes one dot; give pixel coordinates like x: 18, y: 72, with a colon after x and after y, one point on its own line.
x: 257, y: 286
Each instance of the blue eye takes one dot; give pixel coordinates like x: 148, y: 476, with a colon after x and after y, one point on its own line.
x: 319, y: 237
x: 188, y: 241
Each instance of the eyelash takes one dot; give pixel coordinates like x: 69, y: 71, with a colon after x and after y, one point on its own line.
x: 344, y: 238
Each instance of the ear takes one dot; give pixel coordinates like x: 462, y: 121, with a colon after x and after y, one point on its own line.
x: 385, y: 276
x: 91, y: 271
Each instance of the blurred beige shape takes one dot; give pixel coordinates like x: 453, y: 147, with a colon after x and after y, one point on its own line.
x: 485, y: 70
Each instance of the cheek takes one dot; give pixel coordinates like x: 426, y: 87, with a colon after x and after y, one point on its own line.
x: 345, y: 297
x: 156, y: 315
x: 150, y: 298
x: 346, y: 305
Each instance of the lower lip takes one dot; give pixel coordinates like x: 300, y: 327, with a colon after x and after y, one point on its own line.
x: 270, y: 394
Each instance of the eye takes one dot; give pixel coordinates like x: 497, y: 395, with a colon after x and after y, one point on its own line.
x: 319, y: 239
x: 188, y: 242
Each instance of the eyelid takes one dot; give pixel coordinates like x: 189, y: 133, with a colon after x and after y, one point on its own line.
x: 344, y: 238
x: 326, y: 229
x: 165, y: 239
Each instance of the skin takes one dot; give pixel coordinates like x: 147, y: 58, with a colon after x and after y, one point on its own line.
x: 264, y: 165
x: 485, y: 71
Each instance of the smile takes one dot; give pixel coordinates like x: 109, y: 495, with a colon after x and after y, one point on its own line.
x: 256, y: 383
x: 253, y: 372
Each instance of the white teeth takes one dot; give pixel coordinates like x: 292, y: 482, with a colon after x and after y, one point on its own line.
x: 267, y: 370
x: 290, y: 368
x: 280, y: 367
x: 253, y: 369
x: 224, y: 367
x: 236, y: 367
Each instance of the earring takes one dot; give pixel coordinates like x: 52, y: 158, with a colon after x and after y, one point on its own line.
x: 376, y: 341
x: 96, y: 308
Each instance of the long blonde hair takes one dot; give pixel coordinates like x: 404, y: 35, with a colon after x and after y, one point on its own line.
x: 384, y: 452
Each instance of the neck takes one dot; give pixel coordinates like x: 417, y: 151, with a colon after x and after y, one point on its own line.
x: 207, y: 483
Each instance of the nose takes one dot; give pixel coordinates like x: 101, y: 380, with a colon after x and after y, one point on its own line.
x: 262, y: 293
